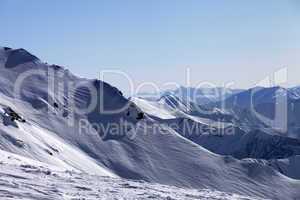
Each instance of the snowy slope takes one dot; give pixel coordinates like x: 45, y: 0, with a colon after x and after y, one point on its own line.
x: 22, y: 178
x: 155, y: 108
x: 170, y: 107
x: 231, y: 139
x: 32, y: 141
x: 147, y: 151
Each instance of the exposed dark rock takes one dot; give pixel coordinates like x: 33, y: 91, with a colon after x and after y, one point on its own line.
x: 13, y: 115
x: 140, y: 116
x: 7, y: 48
x: 55, y: 105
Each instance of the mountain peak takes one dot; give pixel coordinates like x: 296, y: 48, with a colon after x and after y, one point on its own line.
x: 15, y: 57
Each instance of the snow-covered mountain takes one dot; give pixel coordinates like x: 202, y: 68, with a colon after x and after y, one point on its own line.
x: 200, y: 95
x: 266, y: 107
x: 227, y: 139
x: 218, y: 135
x: 171, y: 106
x: 46, y: 117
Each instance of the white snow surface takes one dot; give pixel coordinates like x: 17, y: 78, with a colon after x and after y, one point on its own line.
x: 22, y: 178
x: 154, y: 108
x: 148, y: 152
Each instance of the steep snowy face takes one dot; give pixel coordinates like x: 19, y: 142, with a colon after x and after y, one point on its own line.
x: 50, y: 87
x: 51, y: 98
x: 87, y: 125
x: 155, y: 108
x: 27, y: 139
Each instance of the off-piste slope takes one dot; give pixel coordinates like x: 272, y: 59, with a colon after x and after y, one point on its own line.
x: 47, y: 105
x: 23, y: 178
x: 227, y: 138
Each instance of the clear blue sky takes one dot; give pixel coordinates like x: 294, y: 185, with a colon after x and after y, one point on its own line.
x: 155, y: 40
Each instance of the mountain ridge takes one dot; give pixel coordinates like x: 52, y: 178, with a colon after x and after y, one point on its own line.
x: 147, y: 151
